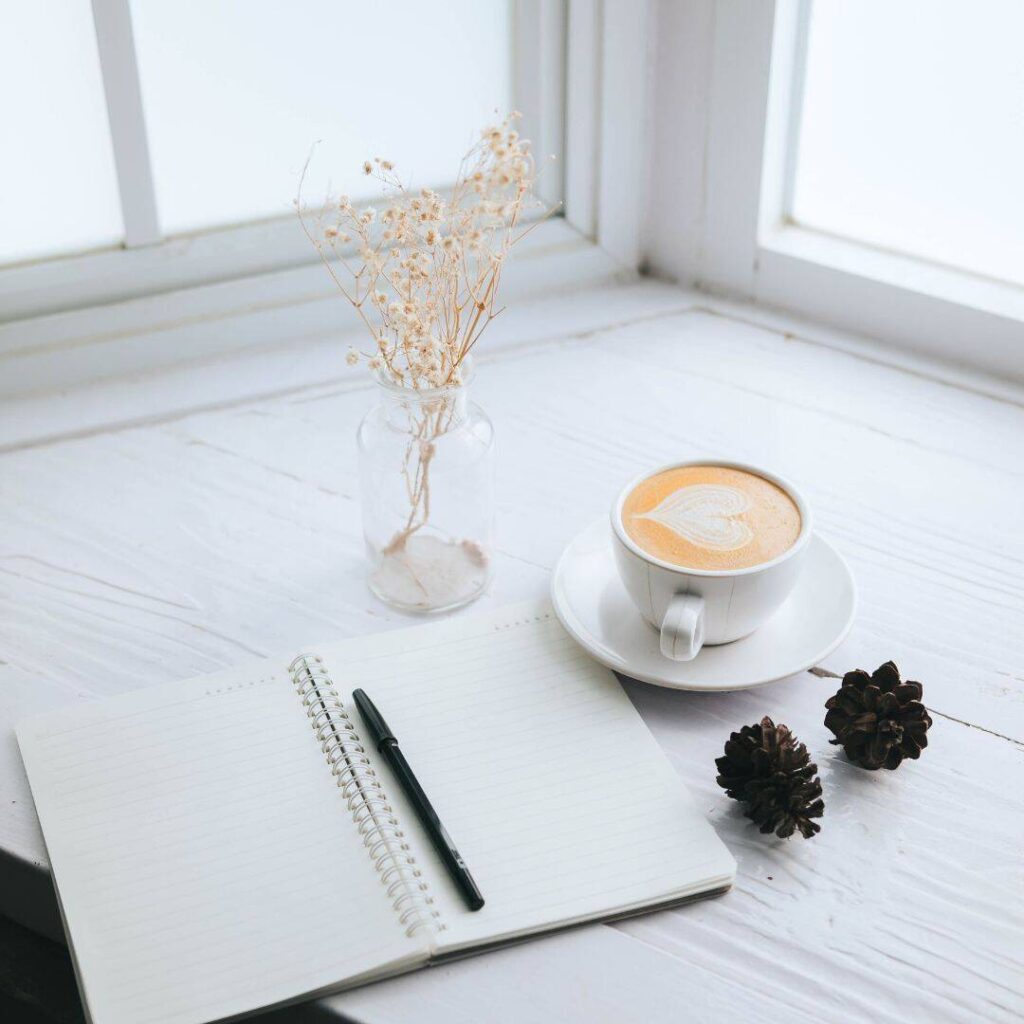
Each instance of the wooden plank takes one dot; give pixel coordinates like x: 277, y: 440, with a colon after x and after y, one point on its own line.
x: 899, y: 909
x: 197, y: 540
x: 595, y: 975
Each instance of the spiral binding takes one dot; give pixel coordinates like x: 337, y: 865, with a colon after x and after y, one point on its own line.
x: 364, y: 796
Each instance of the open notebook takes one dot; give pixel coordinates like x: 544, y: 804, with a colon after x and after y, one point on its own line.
x: 226, y: 844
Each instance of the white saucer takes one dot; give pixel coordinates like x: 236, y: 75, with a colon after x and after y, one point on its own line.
x: 594, y: 607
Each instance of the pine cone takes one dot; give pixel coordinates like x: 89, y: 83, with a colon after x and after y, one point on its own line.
x: 878, y: 719
x: 767, y: 768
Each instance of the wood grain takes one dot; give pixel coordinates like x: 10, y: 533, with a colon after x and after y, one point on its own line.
x: 137, y: 554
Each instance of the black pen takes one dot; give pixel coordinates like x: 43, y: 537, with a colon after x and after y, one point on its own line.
x: 387, y: 745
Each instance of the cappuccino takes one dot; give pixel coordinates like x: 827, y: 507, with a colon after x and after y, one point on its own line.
x: 711, y: 517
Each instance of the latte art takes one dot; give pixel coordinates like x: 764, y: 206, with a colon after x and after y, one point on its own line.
x: 703, y: 515
x: 711, y: 518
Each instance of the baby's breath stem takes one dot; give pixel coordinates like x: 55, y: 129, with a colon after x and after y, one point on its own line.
x: 427, y: 269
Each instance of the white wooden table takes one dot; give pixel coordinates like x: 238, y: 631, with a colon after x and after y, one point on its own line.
x: 133, y: 554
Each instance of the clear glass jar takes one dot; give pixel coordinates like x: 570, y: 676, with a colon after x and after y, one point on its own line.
x: 426, y: 470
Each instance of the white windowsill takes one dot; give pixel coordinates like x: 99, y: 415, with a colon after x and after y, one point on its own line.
x: 304, y: 355
x: 298, y: 348
x: 207, y: 322
x: 160, y: 543
x: 922, y: 307
x: 974, y: 291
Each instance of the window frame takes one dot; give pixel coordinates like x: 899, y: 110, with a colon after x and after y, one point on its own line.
x: 750, y: 247
x: 580, y: 72
x: 149, y: 261
x: 696, y: 190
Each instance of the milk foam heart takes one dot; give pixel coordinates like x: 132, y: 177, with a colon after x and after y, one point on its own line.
x: 704, y: 515
x: 711, y: 517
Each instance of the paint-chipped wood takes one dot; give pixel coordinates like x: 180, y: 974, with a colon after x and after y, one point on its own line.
x: 197, y: 540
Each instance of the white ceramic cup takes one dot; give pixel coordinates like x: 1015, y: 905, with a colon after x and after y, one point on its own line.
x: 694, y: 607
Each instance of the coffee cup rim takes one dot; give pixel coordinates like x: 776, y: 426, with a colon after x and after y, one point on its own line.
x: 801, y: 541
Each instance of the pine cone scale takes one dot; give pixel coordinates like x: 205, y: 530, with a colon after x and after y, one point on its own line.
x: 886, y: 676
x: 872, y: 695
x: 859, y: 676
x: 887, y: 704
x: 908, y: 692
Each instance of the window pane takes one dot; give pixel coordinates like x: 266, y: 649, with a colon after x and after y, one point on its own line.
x: 236, y: 92
x: 58, y: 188
x: 912, y: 136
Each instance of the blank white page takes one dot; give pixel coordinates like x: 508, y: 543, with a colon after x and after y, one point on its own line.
x: 205, y: 861
x: 556, y: 794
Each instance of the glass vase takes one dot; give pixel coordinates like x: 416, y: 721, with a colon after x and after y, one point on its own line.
x: 426, y: 468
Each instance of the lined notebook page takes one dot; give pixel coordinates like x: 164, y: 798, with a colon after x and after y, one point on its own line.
x: 205, y: 861
x: 553, y: 789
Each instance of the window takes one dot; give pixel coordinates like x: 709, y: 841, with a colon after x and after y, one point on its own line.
x: 158, y: 145
x: 58, y: 189
x: 162, y: 142
x: 911, y: 133
x: 233, y: 95
x: 857, y: 161
x: 862, y: 166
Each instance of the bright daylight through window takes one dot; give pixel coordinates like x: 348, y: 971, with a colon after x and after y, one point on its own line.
x: 58, y: 190
x: 234, y: 95
x: 912, y: 130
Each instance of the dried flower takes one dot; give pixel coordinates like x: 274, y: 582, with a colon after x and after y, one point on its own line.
x: 428, y: 267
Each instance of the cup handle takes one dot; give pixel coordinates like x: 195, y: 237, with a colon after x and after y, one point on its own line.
x: 682, y: 629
